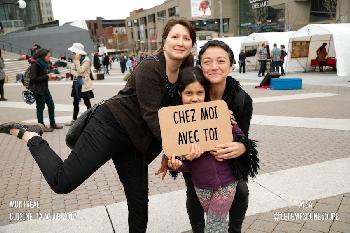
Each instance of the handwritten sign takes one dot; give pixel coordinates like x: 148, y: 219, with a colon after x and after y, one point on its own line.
x: 206, y: 124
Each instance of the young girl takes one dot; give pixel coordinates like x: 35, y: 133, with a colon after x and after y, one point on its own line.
x: 214, y: 181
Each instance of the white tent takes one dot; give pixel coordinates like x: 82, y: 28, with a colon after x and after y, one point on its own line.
x: 254, y: 41
x: 337, y: 38
x: 233, y: 42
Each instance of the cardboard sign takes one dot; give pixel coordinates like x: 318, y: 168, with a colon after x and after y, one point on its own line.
x: 206, y: 124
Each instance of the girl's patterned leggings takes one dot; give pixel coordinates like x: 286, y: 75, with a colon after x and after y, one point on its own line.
x: 216, y: 204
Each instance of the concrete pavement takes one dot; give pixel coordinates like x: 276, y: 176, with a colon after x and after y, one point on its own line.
x: 304, y: 151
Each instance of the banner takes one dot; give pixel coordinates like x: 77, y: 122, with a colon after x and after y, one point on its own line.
x: 206, y: 124
x: 201, y: 9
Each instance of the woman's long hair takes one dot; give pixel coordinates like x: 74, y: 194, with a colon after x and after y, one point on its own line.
x: 189, y: 61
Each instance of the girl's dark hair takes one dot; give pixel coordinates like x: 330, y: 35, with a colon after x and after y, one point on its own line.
x: 189, y: 61
x: 190, y: 75
x: 216, y: 43
x: 41, y: 53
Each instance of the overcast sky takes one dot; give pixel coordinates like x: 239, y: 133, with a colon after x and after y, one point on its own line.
x: 72, y: 10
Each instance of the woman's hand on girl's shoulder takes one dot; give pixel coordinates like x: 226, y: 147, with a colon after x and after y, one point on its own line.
x: 195, y: 152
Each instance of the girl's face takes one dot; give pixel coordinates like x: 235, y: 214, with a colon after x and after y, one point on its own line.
x: 215, y: 64
x: 47, y: 57
x: 178, y: 43
x: 193, y: 93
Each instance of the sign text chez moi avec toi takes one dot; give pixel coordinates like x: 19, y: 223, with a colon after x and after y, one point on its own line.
x: 206, y: 124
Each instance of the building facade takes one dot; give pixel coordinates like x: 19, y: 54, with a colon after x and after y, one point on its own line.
x: 12, y: 18
x: 144, y: 26
x: 46, y: 11
x: 110, y: 34
x: 289, y: 15
x: 239, y: 18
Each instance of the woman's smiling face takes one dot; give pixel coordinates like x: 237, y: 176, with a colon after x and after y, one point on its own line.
x: 215, y: 64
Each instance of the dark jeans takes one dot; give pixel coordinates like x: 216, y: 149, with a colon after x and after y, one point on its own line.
x: 242, y: 65
x: 101, y: 140
x: 275, y: 66
x: 262, y: 67
x: 40, y: 106
x: 76, y: 102
x: 195, y: 210
x: 106, y: 69
x: 2, y: 88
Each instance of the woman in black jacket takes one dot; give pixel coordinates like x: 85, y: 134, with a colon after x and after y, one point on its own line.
x: 216, y: 60
x: 39, y: 85
x: 125, y: 128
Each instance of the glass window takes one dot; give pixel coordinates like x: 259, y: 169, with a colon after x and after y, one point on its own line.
x: 211, y: 25
x: 171, y: 12
x: 129, y: 24
x: 143, y: 21
x: 250, y: 51
x: 322, y: 10
x: 161, y: 14
x: 151, y: 18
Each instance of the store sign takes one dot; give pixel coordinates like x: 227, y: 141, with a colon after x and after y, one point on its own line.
x: 259, y: 3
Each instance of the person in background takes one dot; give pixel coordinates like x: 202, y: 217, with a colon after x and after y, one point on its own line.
x: 39, y: 85
x: 122, y: 62
x: 283, y: 55
x: 321, y: 56
x: 129, y: 64
x: 106, y: 63
x: 34, y: 48
x: 82, y: 84
x: 241, y: 61
x: 2, y: 78
x: 276, y: 58
x: 262, y: 60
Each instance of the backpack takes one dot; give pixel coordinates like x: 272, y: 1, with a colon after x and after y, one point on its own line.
x: 26, y: 78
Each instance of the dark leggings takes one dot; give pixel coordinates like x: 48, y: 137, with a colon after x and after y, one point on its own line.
x: 101, y: 140
x: 76, y: 105
x: 195, y: 210
x: 2, y: 88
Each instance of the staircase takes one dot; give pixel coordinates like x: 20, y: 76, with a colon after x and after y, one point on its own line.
x: 13, y: 65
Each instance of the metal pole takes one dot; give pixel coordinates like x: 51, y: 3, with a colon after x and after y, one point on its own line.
x: 221, y: 23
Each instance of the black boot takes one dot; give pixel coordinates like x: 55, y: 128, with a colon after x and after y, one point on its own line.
x: 6, y: 127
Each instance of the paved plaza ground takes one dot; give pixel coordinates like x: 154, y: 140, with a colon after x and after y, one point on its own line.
x: 304, y: 149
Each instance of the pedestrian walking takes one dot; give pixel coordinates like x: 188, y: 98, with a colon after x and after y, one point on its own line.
x: 2, y: 78
x: 106, y: 63
x: 242, y: 57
